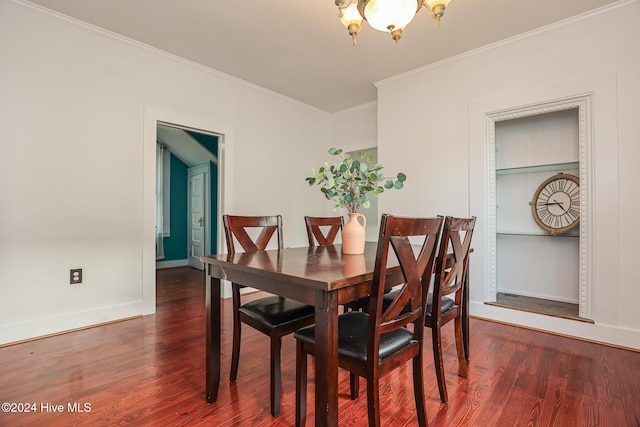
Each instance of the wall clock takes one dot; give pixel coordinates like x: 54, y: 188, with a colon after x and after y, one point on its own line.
x: 556, y: 203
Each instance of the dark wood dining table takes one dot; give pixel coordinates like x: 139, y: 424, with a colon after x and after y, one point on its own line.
x: 320, y: 276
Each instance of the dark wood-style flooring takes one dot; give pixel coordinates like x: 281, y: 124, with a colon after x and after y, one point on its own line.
x: 149, y: 371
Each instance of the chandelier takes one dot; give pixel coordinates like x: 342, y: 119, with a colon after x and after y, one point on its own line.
x: 386, y: 15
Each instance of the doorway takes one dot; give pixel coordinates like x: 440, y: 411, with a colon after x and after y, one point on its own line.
x: 189, y: 195
x: 224, y: 131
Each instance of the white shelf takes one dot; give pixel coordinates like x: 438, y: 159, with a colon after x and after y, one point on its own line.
x: 572, y: 233
x: 554, y: 167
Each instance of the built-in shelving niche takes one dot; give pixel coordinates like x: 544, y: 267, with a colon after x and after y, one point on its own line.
x: 530, y: 268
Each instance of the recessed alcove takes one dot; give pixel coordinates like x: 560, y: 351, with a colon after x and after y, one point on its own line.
x: 594, y: 96
x: 533, y: 269
x: 537, y: 269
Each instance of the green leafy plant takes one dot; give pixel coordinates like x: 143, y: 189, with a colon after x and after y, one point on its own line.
x: 349, y: 181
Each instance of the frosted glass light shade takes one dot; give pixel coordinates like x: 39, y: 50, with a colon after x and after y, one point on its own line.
x: 388, y: 15
x: 432, y: 3
x: 351, y: 15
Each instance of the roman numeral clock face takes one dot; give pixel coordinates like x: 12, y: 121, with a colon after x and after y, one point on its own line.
x: 556, y: 203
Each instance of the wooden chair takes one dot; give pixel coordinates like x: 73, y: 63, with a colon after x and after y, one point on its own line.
x: 374, y: 343
x: 273, y: 316
x: 316, y: 234
x: 445, y: 303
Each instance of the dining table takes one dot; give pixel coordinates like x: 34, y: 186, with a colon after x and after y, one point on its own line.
x: 320, y: 276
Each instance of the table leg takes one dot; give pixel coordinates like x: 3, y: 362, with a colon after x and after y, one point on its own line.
x: 326, y: 358
x: 213, y: 337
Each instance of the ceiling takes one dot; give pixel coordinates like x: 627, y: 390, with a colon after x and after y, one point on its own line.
x: 183, y: 145
x: 300, y: 49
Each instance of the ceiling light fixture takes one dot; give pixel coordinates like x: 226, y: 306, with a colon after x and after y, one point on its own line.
x: 386, y: 15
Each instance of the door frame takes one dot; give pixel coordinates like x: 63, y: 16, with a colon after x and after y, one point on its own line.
x: 153, y: 115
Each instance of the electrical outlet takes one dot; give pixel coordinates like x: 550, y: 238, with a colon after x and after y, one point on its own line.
x: 75, y: 276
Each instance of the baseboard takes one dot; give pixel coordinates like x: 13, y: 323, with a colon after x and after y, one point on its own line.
x: 172, y: 263
x: 594, y: 332
x: 16, y: 332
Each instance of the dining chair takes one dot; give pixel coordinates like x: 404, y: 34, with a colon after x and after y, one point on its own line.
x: 317, y: 230
x: 272, y: 315
x: 445, y: 303
x: 373, y: 343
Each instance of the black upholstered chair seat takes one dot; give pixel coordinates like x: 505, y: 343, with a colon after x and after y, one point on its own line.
x: 352, y: 336
x: 446, y: 305
x: 276, y: 311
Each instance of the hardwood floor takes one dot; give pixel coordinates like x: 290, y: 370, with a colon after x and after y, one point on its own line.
x: 150, y: 371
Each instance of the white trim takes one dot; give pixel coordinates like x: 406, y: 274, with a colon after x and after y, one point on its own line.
x: 205, y: 170
x: 171, y: 264
x: 14, y: 332
x: 200, y: 168
x: 607, y: 334
x: 356, y: 108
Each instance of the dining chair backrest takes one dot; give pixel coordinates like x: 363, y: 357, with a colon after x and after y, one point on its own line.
x: 453, y: 258
x: 446, y: 303
x: 236, y: 228
x: 316, y: 226
x: 415, y: 274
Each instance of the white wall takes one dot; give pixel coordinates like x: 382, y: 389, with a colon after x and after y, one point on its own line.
x: 76, y: 138
x: 355, y: 130
x: 444, y: 159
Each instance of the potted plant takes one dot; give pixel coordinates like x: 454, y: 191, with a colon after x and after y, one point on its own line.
x: 349, y: 182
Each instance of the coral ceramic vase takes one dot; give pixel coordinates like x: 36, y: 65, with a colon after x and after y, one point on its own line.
x: 353, y: 234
